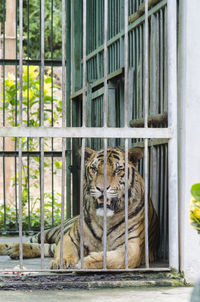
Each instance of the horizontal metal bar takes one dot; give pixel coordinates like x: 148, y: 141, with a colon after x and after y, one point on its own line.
x: 32, y: 153
x: 141, y: 10
x: 139, y: 269
x: 86, y: 132
x: 100, y: 81
x: 31, y: 62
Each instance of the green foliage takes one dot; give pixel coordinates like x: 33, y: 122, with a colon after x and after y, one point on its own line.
x: 34, y: 223
x: 31, y: 99
x: 31, y: 28
x: 33, y: 49
x: 195, y: 190
x: 31, y: 171
x: 195, y: 207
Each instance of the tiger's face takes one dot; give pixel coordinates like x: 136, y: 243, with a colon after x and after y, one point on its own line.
x: 115, y: 181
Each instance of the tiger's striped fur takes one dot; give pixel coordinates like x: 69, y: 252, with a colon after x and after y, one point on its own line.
x: 93, y: 218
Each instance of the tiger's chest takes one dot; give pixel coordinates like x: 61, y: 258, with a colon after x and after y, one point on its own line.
x: 94, y: 237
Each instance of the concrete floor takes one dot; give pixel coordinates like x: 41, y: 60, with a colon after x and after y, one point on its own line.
x: 108, y: 295
x: 181, y: 294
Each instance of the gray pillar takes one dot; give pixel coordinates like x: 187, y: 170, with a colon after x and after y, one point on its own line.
x: 189, y: 131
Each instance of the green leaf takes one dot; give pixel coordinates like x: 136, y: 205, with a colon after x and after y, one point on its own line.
x: 195, y: 191
x: 58, y: 164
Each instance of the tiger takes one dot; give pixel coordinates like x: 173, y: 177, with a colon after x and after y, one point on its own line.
x: 93, y: 219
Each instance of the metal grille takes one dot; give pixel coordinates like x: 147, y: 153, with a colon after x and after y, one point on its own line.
x: 118, y: 89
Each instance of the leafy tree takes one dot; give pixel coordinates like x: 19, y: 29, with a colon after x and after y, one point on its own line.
x: 31, y: 28
x: 31, y: 118
x: 53, y: 28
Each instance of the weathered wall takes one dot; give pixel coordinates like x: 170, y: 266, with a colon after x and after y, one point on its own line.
x: 189, y: 130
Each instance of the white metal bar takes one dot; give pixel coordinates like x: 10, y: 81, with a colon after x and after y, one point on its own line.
x: 105, y: 125
x: 63, y: 64
x: 105, y: 62
x: 172, y: 122
x: 146, y: 66
x: 146, y: 193
x: 105, y: 205
x: 84, y: 65
x: 126, y: 63
x: 20, y: 60
x: 81, y: 202
x: 83, y: 140
x: 146, y: 111
x: 20, y: 124
x: 126, y: 203
x: 42, y: 139
x: 42, y: 199
x: 20, y: 204
x: 126, y: 104
x: 63, y: 125
x: 62, y: 202
x: 96, y: 132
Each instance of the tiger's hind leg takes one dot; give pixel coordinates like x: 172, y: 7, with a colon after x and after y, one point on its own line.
x: 30, y: 250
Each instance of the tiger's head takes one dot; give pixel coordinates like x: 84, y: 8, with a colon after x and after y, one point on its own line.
x: 115, y: 191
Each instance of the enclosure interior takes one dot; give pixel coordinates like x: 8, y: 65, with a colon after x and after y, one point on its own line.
x: 53, y: 105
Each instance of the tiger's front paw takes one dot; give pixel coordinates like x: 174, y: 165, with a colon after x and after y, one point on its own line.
x: 67, y: 262
x: 92, y: 261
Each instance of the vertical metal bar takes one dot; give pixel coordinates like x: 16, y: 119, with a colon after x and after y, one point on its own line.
x: 20, y: 124
x: 42, y: 139
x: 161, y: 71
x: 126, y: 203
x: 165, y: 198
x: 81, y: 203
x: 4, y: 169
x: 105, y: 205
x: 126, y: 67
x: 68, y: 108
x: 126, y: 103
x: 28, y: 109
x: 146, y: 109
x: 62, y: 201
x: 16, y: 74
x: 63, y: 125
x: 84, y: 66
x: 172, y: 122
x: 52, y: 113
x: 42, y: 199
x: 141, y: 71
x: 83, y: 140
x: 105, y: 62
x: 146, y: 68
x: 165, y: 63
x: 105, y: 125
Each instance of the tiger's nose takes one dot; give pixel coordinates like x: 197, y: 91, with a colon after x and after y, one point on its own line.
x: 101, y: 188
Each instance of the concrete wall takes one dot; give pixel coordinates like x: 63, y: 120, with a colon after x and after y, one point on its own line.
x: 189, y: 130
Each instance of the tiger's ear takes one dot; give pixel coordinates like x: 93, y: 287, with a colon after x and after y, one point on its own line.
x: 88, y: 152
x: 135, y: 154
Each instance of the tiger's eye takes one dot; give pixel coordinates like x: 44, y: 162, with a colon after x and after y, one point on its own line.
x: 117, y: 171
x: 94, y: 169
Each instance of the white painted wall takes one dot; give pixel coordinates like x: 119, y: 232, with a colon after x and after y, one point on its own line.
x: 189, y: 131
